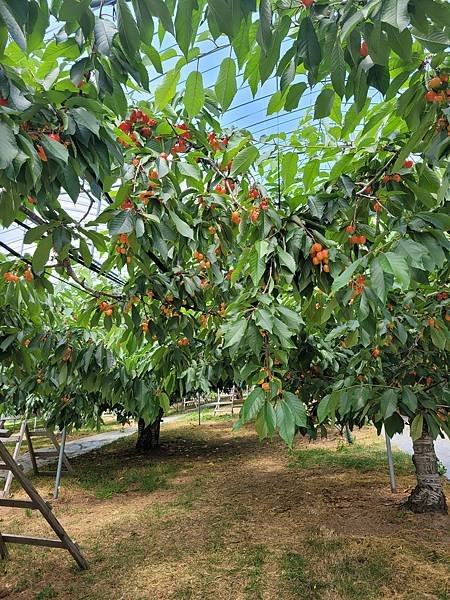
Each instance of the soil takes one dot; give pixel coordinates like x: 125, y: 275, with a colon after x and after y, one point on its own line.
x: 234, y: 521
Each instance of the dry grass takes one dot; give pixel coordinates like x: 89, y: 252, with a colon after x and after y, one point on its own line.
x: 217, y: 515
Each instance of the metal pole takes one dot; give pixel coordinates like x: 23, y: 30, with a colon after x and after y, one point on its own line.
x: 60, y: 464
x: 198, y: 400
x: 390, y: 463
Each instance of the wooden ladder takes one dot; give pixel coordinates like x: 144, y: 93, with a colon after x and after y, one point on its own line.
x: 35, y: 502
x: 59, y: 453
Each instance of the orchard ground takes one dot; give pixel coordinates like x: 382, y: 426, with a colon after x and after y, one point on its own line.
x: 218, y: 515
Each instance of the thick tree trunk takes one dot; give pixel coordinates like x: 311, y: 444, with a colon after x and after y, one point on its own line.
x: 428, y: 495
x: 148, y: 435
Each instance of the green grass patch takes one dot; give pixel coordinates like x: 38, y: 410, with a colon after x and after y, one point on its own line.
x: 356, y: 456
x: 206, y: 414
x: 252, y: 562
x: 337, y: 566
x: 109, y: 476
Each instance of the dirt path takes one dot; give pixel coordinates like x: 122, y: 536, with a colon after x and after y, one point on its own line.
x: 219, y: 516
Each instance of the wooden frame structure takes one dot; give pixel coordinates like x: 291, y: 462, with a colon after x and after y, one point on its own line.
x: 59, y: 453
x: 35, y: 502
x: 227, y: 402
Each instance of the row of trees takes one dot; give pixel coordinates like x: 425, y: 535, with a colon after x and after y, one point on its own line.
x: 316, y: 275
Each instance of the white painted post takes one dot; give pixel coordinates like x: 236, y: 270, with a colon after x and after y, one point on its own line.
x: 390, y: 463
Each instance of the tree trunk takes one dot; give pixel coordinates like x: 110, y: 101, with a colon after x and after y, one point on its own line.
x: 428, y: 495
x: 148, y: 435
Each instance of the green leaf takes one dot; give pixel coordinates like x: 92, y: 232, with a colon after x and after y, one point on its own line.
x: 310, y: 173
x: 32, y: 235
x: 409, y: 399
x: 289, y: 163
x: 194, y: 95
x: 182, y: 227
x: 388, y: 403
x: 438, y: 337
x: 159, y: 8
x: 253, y: 404
x: 84, y: 118
x: 377, y: 280
x: 104, y: 32
x: 54, y: 149
x: 297, y: 408
x: 397, y: 265
x: 378, y: 77
x: 285, y: 422
x: 324, y: 103
x: 226, y: 87
x: 417, y: 427
x: 122, y: 222
x: 128, y: 30
x: 42, y: 253
x: 264, y: 35
x: 8, y: 146
x: 235, y: 333
x: 395, y: 12
x: 167, y: 90
x: 294, y: 94
x: 308, y: 47
x: 244, y: 159
x: 338, y: 70
x: 183, y: 24
x: 12, y: 25
x: 257, y: 261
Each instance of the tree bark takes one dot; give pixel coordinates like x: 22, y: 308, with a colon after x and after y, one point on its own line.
x: 428, y: 495
x: 148, y: 435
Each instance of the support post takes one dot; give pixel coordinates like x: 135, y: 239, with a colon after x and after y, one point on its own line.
x: 15, y: 456
x: 390, y: 463
x: 60, y: 464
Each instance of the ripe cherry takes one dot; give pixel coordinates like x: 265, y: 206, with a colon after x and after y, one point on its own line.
x: 163, y: 155
x: 376, y: 352
x: 408, y: 164
x: 235, y: 217
x: 364, y: 50
x: 350, y: 229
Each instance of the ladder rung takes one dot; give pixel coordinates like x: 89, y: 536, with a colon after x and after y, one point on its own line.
x: 17, y: 503
x: 4, y: 467
x: 5, y: 433
x: 32, y: 541
x: 46, y: 453
x: 38, y: 432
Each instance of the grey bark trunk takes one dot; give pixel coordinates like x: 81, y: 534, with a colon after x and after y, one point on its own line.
x: 428, y: 495
x: 148, y: 435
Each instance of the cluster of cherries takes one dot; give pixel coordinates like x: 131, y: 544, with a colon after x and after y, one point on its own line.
x: 359, y: 240
x: 357, y: 285
x: 441, y: 296
x: 438, y: 90
x: 319, y: 255
x: 13, y: 278
x: 215, y: 143
x: 140, y: 122
x: 106, y: 308
x: 203, y: 264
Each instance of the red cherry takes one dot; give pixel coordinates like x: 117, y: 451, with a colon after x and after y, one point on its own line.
x: 163, y: 155
x: 307, y: 3
x: 55, y: 137
x: 3, y: 102
x: 364, y: 50
x: 408, y: 164
x: 146, y: 132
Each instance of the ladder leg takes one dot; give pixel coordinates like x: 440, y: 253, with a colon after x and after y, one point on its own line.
x: 3, y: 548
x: 15, y: 456
x: 31, y: 450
